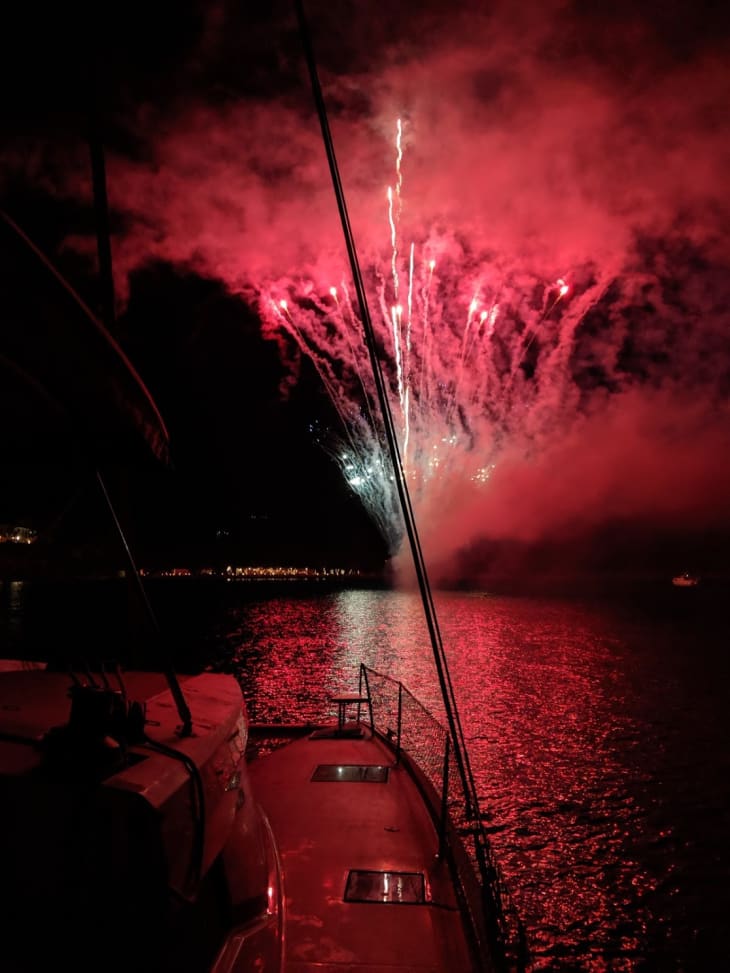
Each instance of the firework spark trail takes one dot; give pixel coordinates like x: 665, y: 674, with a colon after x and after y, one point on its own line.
x: 560, y: 291
x: 410, y: 297
x: 350, y: 327
x: 427, y: 338
x: 398, y: 170
x: 457, y: 380
x: 557, y: 360
x: 320, y: 362
x: 358, y: 447
x: 407, y: 364
x: 393, y: 243
x: 395, y: 315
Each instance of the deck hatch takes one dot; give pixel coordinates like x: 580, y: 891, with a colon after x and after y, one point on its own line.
x: 397, y: 888
x: 351, y: 773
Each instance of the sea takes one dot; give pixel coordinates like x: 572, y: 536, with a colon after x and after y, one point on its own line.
x: 597, y: 729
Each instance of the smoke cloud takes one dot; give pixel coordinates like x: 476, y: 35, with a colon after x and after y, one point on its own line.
x: 540, y: 143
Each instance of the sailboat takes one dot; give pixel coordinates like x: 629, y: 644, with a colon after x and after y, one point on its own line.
x: 138, y: 835
x: 685, y: 580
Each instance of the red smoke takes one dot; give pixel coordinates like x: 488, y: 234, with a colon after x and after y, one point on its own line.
x: 540, y: 143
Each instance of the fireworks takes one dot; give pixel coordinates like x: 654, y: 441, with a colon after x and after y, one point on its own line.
x: 468, y: 349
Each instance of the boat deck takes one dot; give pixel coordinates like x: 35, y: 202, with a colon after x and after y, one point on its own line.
x: 326, y: 829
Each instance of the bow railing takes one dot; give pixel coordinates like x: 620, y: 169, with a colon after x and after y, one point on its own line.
x: 416, y: 735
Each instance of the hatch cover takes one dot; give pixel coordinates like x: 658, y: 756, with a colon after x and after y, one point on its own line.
x: 351, y: 773
x: 398, y: 888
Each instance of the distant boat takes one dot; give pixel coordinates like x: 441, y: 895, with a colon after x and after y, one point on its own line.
x: 686, y: 580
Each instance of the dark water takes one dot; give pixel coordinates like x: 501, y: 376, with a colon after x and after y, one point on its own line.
x: 598, y: 735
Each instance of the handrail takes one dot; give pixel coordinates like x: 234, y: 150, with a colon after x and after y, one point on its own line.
x: 455, y: 809
x: 364, y: 679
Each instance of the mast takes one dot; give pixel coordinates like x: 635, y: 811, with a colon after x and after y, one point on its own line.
x: 104, y: 250
x: 101, y: 216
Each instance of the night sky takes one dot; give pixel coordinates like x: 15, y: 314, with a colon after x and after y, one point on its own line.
x: 541, y: 143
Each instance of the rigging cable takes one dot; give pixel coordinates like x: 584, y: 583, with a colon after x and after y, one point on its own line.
x: 106, y: 281
x: 444, y: 677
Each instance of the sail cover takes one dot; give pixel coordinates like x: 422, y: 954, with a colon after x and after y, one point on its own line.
x: 61, y: 371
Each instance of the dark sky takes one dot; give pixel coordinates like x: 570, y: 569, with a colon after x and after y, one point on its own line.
x: 543, y: 146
